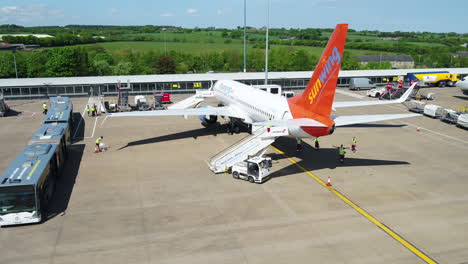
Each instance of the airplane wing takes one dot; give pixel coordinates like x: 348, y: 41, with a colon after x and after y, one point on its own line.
x: 222, y: 111
x: 360, y: 119
x: 403, y: 98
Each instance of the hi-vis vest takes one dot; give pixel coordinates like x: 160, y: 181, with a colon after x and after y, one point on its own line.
x: 354, y: 141
x: 341, y: 151
x: 316, y: 140
x: 44, y: 106
x: 98, y: 141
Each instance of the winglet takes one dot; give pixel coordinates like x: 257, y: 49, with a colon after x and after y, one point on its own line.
x: 405, y: 96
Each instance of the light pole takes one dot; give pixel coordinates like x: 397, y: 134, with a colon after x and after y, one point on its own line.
x: 245, y: 21
x: 165, y: 46
x: 266, y: 45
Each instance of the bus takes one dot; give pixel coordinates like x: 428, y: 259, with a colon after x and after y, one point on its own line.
x: 60, y: 114
x: 27, y: 186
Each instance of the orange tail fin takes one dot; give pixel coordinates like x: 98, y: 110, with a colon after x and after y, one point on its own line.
x: 320, y: 91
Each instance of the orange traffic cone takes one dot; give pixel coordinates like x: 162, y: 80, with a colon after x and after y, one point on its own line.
x: 328, y: 182
x: 418, y: 129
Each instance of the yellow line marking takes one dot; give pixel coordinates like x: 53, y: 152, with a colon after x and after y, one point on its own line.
x: 398, y: 238
x: 33, y: 169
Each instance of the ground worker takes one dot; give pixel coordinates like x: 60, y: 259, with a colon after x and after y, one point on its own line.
x: 93, y: 109
x: 98, y: 142
x: 317, y: 145
x: 44, y: 108
x: 299, y: 144
x: 88, y: 110
x: 353, y: 144
x: 341, y: 153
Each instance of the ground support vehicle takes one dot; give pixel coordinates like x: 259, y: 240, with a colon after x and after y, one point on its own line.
x: 141, y: 103
x: 416, y: 106
x: 462, y: 121
x: 255, y: 169
x: 450, y: 116
x: 433, y: 111
x: 436, y: 78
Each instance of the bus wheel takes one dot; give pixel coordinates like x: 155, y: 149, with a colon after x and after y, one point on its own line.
x: 251, y: 179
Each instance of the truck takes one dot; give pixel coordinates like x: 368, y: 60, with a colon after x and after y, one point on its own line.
x: 435, y: 78
x: 141, y: 103
x: 254, y: 169
x: 3, y: 106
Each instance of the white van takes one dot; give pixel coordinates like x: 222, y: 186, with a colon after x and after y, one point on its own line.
x: 360, y: 84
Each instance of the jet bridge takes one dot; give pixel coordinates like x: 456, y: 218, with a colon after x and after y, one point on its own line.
x: 248, y: 146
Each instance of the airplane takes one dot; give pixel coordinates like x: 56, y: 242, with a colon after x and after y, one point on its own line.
x: 308, y: 115
x: 463, y: 85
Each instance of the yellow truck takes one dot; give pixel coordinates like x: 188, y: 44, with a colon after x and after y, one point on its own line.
x: 436, y: 78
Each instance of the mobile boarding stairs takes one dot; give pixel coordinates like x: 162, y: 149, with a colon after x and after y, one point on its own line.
x: 252, y: 145
x: 192, y: 101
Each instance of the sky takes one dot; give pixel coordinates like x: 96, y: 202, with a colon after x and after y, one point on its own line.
x: 382, y: 15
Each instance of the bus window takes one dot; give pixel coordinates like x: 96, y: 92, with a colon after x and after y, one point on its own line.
x: 16, y: 199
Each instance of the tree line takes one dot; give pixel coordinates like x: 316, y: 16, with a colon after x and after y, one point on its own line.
x: 96, y: 61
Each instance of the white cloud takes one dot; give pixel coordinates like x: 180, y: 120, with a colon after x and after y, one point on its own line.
x: 193, y: 12
x: 223, y: 11
x: 167, y: 15
x: 28, y: 13
x: 114, y: 10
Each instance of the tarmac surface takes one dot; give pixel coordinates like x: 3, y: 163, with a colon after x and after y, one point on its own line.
x: 151, y: 198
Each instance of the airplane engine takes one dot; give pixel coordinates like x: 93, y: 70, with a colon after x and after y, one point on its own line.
x: 211, y: 119
x: 208, y: 119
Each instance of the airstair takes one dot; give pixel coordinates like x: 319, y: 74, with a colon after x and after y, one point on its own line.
x: 248, y: 146
x: 192, y: 101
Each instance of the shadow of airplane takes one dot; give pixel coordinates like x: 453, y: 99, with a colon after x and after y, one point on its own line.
x: 211, y: 130
x: 312, y: 159
x: 461, y: 97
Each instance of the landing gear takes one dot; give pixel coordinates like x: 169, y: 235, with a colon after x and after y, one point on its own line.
x: 233, y: 127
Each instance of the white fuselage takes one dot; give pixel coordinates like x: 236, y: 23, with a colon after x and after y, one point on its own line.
x: 257, y: 105
x: 463, y: 85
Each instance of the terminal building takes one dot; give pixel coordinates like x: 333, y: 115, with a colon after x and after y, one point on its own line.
x: 24, y: 88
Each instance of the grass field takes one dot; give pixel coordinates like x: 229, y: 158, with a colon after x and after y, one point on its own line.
x: 198, y: 48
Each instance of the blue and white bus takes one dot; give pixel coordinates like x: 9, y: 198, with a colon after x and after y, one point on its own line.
x: 27, y: 186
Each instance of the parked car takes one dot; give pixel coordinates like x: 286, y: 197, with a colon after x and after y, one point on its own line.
x: 376, y: 92
x: 360, y: 84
